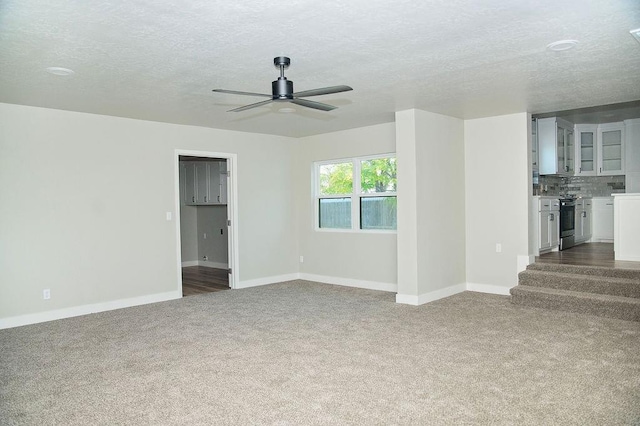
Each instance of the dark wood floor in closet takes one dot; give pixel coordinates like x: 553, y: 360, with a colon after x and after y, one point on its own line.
x: 589, y: 254
x: 200, y: 279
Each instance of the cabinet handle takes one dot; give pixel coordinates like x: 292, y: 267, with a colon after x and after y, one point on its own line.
x: 205, y: 198
x: 218, y: 198
x: 609, y: 204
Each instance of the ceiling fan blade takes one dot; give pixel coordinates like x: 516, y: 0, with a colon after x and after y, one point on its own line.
x: 246, y: 107
x: 322, y: 91
x: 235, y: 92
x: 312, y: 104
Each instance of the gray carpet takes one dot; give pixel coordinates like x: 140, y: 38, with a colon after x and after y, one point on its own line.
x: 300, y: 353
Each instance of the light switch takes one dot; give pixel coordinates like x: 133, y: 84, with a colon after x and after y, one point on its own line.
x: 169, y: 215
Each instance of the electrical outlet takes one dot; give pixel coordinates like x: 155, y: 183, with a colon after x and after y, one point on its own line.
x: 301, y: 259
x: 46, y: 294
x: 498, y: 248
x: 205, y: 258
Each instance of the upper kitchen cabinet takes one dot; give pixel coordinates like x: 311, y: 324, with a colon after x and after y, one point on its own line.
x: 205, y: 183
x: 600, y: 149
x: 611, y: 149
x: 586, y: 149
x: 534, y: 144
x: 556, y: 149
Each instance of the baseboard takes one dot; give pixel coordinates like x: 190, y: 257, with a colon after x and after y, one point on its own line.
x: 210, y: 264
x: 628, y: 258
x: 421, y: 299
x: 205, y: 263
x: 350, y: 282
x: 488, y: 288
x: 75, y: 311
x: 267, y: 280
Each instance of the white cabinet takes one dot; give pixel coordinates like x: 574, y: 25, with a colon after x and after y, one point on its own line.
x: 584, y: 211
x: 534, y: 144
x: 586, y: 149
x: 602, y: 223
x: 202, y: 184
x: 190, y: 183
x: 548, y: 223
x: 205, y: 183
x: 611, y: 149
x: 556, y: 148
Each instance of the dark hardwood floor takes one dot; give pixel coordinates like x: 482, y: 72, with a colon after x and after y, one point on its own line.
x: 589, y: 254
x: 200, y: 279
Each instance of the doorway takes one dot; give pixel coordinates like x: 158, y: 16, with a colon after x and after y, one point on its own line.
x: 206, y: 218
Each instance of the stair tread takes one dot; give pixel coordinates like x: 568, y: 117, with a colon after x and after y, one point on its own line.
x: 577, y: 294
x: 585, y: 277
x: 586, y: 270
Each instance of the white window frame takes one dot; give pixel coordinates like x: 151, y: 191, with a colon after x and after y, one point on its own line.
x: 356, y: 194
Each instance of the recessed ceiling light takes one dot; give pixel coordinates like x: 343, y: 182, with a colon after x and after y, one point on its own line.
x: 558, y: 46
x: 59, y: 71
x: 636, y: 34
x: 287, y: 110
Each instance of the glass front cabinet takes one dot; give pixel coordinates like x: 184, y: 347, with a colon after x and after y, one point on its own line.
x: 600, y: 149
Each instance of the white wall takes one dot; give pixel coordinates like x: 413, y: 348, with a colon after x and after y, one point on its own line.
x: 351, y: 258
x: 498, y: 183
x: 84, y: 199
x: 189, y: 233
x: 431, y: 206
x: 632, y: 155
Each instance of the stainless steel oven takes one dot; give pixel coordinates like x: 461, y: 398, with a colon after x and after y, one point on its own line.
x: 567, y: 222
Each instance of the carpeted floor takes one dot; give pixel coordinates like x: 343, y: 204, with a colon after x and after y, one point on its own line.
x: 300, y: 353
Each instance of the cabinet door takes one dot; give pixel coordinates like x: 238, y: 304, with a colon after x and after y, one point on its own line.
x: 611, y: 149
x: 223, y: 187
x: 602, y: 225
x: 586, y: 225
x: 578, y: 222
x: 545, y: 241
x: 202, y: 193
x: 586, y: 150
x: 570, y: 150
x: 534, y: 144
x: 214, y: 182
x: 190, y: 183
x: 560, y: 148
x: 554, y: 228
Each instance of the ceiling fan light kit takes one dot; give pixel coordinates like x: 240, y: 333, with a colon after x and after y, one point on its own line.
x: 282, y: 91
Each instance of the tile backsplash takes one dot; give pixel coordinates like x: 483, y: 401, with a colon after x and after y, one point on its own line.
x: 585, y: 186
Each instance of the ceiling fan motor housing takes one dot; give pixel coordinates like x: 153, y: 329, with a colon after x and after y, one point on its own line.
x: 282, y: 88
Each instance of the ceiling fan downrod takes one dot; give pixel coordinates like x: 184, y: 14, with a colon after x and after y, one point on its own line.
x: 282, y: 88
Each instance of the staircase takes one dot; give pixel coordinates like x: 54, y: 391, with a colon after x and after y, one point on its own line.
x: 594, y: 290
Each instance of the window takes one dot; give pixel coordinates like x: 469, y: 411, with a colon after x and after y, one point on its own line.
x: 357, y: 193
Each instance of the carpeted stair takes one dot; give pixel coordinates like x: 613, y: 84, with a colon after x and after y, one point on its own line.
x: 605, y: 292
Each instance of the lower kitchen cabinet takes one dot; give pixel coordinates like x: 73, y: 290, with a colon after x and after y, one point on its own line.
x: 602, y: 223
x: 584, y: 211
x: 548, y: 224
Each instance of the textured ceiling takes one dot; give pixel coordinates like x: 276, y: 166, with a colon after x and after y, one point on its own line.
x: 159, y: 59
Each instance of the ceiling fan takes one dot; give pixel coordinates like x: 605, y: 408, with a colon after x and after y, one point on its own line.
x: 282, y: 91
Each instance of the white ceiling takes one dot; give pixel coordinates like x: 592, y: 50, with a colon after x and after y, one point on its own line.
x: 159, y: 59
